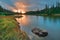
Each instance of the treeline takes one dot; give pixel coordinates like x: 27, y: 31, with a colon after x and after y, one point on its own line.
x: 5, y: 12
x: 47, y: 11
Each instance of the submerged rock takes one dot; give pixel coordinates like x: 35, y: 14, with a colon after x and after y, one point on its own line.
x: 40, y: 32
x: 18, y: 16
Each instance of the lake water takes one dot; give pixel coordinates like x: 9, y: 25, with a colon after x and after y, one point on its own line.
x: 51, y: 24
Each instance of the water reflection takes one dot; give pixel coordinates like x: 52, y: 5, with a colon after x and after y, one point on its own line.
x: 51, y: 24
x: 23, y: 20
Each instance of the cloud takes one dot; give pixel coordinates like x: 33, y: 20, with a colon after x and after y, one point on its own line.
x: 28, y: 4
x: 19, y: 4
x: 6, y: 6
x: 16, y: 4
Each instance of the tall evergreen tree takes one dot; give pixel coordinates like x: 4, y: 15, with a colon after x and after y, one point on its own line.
x: 46, y: 7
x: 58, y: 4
x: 52, y: 6
x: 1, y: 9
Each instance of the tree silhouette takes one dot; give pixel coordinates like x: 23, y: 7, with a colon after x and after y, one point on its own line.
x: 1, y: 9
x: 57, y: 4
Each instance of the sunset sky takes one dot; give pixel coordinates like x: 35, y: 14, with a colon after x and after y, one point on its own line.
x: 28, y: 4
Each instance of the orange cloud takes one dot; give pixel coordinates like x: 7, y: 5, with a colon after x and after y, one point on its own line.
x: 21, y: 6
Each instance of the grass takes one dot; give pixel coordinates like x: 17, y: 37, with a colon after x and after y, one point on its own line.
x: 9, y: 29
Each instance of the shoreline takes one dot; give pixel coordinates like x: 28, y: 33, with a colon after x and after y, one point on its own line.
x: 44, y: 15
x: 13, y: 28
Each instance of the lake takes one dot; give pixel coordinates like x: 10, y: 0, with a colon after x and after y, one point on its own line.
x: 49, y: 23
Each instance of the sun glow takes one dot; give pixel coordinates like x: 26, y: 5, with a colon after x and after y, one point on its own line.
x: 23, y: 12
x: 14, y: 10
x: 20, y: 7
x: 19, y: 11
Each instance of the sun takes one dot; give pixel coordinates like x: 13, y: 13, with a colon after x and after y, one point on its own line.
x: 23, y: 12
x: 15, y: 11
x: 19, y: 11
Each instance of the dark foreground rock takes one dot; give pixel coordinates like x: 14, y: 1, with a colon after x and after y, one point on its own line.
x: 40, y: 32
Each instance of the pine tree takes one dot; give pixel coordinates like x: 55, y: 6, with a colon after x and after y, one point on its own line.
x: 57, y: 4
x: 46, y: 7
x: 1, y: 9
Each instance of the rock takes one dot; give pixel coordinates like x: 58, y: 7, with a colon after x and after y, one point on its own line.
x: 18, y: 16
x: 40, y: 32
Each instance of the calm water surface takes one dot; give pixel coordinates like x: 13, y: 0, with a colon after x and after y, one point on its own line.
x: 51, y: 24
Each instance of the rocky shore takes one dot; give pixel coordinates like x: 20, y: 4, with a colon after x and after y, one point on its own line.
x: 10, y: 30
